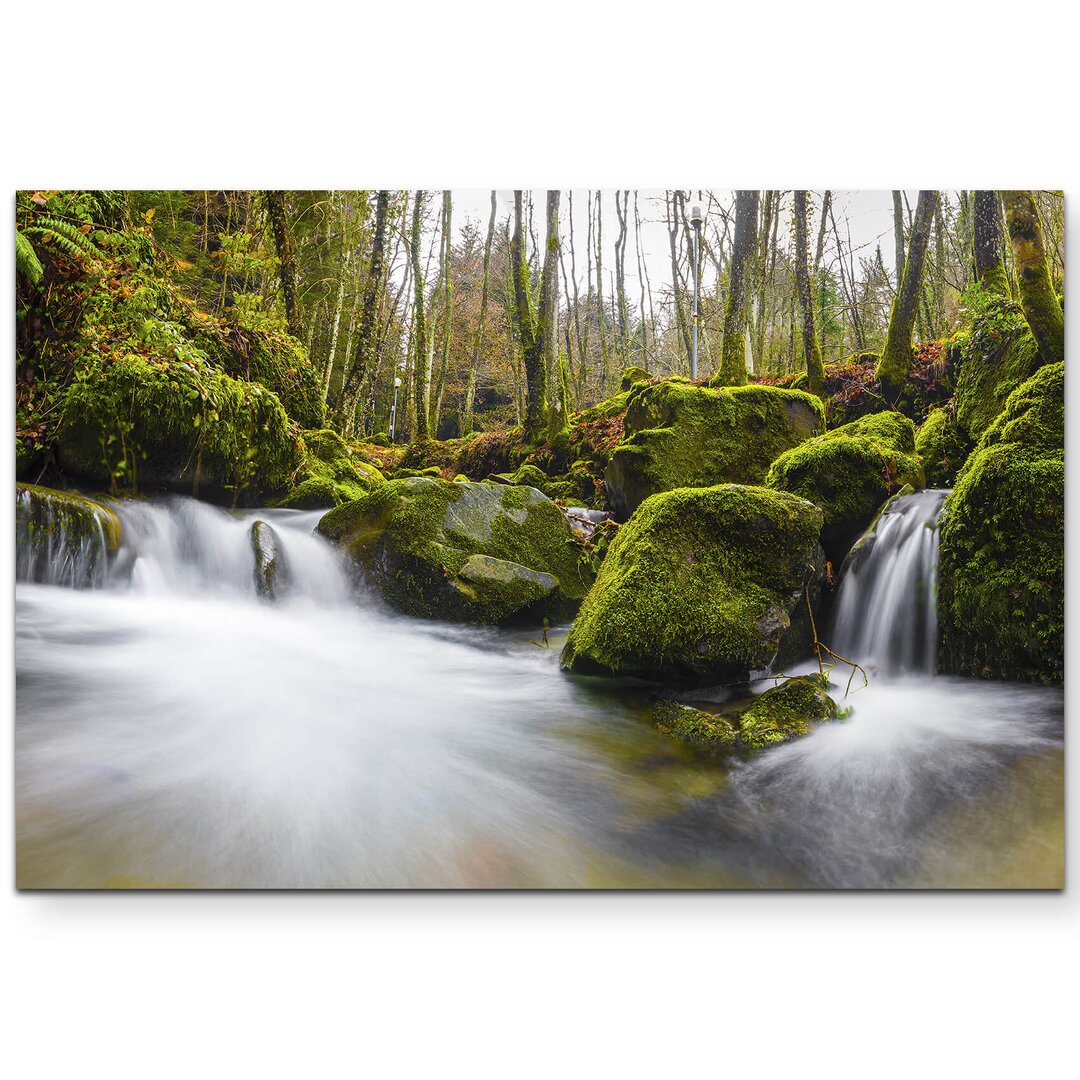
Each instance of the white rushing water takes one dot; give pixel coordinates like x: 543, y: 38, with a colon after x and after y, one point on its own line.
x: 886, y: 613
x: 175, y: 729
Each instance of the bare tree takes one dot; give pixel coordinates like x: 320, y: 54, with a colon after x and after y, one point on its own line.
x: 733, y: 355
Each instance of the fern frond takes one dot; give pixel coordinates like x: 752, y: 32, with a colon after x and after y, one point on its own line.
x: 66, y: 236
x: 26, y: 261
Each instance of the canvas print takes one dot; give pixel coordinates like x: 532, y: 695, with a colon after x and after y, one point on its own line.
x: 553, y: 539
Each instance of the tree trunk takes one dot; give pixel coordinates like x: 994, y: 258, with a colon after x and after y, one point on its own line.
x: 815, y: 372
x: 364, y: 354
x: 532, y: 347
x: 1037, y: 297
x: 605, y: 374
x: 422, y: 359
x: 672, y: 207
x: 275, y: 202
x: 448, y: 308
x: 470, y: 388
x: 896, y: 356
x: 898, y: 235
x: 989, y: 244
x: 733, y: 357
x: 548, y: 330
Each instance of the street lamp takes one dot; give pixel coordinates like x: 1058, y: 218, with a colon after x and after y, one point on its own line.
x: 393, y: 411
x: 696, y: 218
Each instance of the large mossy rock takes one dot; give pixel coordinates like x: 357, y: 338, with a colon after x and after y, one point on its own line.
x: 331, y: 474
x: 144, y: 425
x: 677, y: 435
x: 942, y: 447
x: 62, y: 538
x: 1001, y: 585
x: 996, y: 355
x: 697, y: 586
x: 850, y: 473
x: 477, y: 553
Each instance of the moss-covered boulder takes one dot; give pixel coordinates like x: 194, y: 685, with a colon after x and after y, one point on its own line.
x: 678, y: 435
x: 849, y: 473
x: 477, y: 553
x: 142, y: 425
x: 62, y: 538
x: 330, y: 474
x: 528, y: 475
x: 697, y: 586
x: 786, y: 712
x: 1001, y: 586
x: 996, y: 355
x: 633, y: 375
x: 942, y: 447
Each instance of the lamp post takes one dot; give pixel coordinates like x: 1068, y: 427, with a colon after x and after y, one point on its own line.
x: 393, y: 411
x: 696, y: 219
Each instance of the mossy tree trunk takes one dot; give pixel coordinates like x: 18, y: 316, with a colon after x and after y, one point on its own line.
x: 815, y: 372
x: 988, y: 244
x: 478, y: 341
x: 896, y: 356
x: 620, y: 274
x: 548, y: 330
x: 422, y: 358
x: 605, y: 367
x: 674, y: 210
x: 532, y: 346
x: 1037, y: 297
x: 448, y: 306
x: 364, y: 356
x: 733, y: 356
x: 279, y: 225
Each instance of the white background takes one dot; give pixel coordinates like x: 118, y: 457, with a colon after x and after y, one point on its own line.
x: 850, y: 95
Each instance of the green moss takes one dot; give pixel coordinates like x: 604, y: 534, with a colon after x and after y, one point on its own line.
x: 697, y: 586
x: 529, y: 475
x: 701, y: 730
x: 415, y: 540
x: 849, y: 473
x: 138, y: 424
x: 996, y: 355
x: 1002, y: 575
x: 633, y: 375
x: 942, y: 447
x: 679, y: 435
x: 330, y: 474
x: 786, y: 712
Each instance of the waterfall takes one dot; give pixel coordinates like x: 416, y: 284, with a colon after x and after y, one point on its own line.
x: 62, y: 539
x: 886, y: 609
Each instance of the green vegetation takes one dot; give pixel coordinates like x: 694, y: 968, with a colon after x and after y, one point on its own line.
x: 679, y: 435
x: 418, y: 541
x: 697, y: 586
x: 849, y: 473
x: 1001, y: 598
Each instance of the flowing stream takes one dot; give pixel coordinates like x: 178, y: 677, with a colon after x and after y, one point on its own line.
x: 176, y: 729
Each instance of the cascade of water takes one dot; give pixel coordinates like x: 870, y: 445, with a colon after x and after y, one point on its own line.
x: 886, y: 611
x: 60, y: 539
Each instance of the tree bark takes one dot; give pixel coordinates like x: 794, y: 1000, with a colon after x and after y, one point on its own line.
x: 548, y: 330
x: 989, y: 244
x: 364, y: 354
x: 532, y: 347
x: 896, y: 356
x: 422, y: 359
x: 733, y: 357
x: 1037, y: 297
x: 898, y: 235
x: 279, y: 224
x: 815, y: 372
x: 448, y: 307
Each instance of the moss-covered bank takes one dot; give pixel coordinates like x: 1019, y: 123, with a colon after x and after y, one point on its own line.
x: 1001, y: 601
